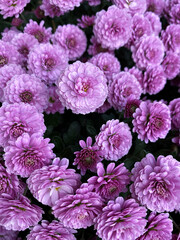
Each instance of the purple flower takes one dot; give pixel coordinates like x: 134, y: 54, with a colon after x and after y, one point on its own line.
x: 66, y: 5
x: 17, y: 118
x: 107, y: 62
x: 173, y: 12
x: 51, y: 231
x: 155, y: 22
x: 174, y: 107
x: 154, y: 79
x: 50, y: 10
x: 79, y: 210
x: 121, y: 219
x: 171, y: 38
x: 113, y: 27
x: 72, y: 39
x: 16, y: 22
x: 28, y: 89
x: 54, y: 104
x: 88, y: 157
x: 156, y: 6
x: 50, y: 183
x: 47, y: 62
x: 96, y: 47
x: 171, y: 65
x: 122, y: 87
x: 86, y: 21
x: 7, y: 234
x: 159, y: 227
x: 114, y: 139
x: 27, y: 154
x: 12, y: 8
x: 82, y: 87
x: 9, y: 34
x: 156, y: 184
x: 133, y: 7
x: 152, y: 121
x: 38, y: 31
x: 18, y: 214
x: 137, y: 73
x: 110, y: 183
x: 131, y: 106
x: 148, y: 51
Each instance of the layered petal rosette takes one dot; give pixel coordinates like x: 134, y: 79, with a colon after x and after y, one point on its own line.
x: 121, y: 219
x: 82, y: 87
x: 152, y: 120
x: 114, y: 139
x: 27, y: 154
x: 51, y: 231
x: 156, y: 184
x: 18, y: 214
x: 110, y: 182
x: 50, y: 183
x: 79, y: 210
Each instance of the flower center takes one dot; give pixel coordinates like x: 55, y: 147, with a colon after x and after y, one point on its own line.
x: 16, y: 130
x: 3, y: 60
x: 150, y: 54
x: 115, y: 140
x: 24, y: 51
x: 160, y: 188
x: 39, y: 36
x: 158, y: 123
x: 127, y: 92
x: 49, y: 64
x: 71, y: 43
x: 82, y: 86
x: 26, y: 96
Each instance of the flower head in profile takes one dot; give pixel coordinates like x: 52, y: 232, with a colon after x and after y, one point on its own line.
x: 152, y: 121
x: 88, y: 157
x: 121, y: 219
x: 110, y: 182
x: 156, y: 183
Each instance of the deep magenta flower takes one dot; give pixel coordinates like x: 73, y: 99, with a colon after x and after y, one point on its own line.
x: 50, y: 183
x: 110, y: 182
x: 51, y: 231
x: 159, y: 227
x: 27, y: 154
x: 82, y: 87
x: 72, y: 39
x: 88, y: 157
x: 174, y: 107
x: 121, y: 219
x: 156, y: 184
x: 152, y: 121
x: 79, y: 210
x: 18, y: 214
x: 131, y: 106
x: 114, y: 139
x: 17, y: 118
x: 113, y: 27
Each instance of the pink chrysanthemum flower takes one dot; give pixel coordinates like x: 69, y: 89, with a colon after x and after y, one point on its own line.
x: 27, y: 154
x: 96, y: 47
x: 122, y: 87
x: 156, y: 184
x: 51, y: 183
x: 152, y: 121
x: 85, y: 21
x: 154, y: 79
x: 51, y: 231
x: 12, y: 8
x: 156, y: 6
x: 50, y: 10
x: 88, y: 157
x: 137, y: 73
x: 47, y: 61
x: 170, y: 38
x: 159, y: 227
x: 28, y: 89
x: 54, y: 105
x: 42, y: 34
x: 131, y: 106
x: 24, y: 43
x: 8, y: 234
x: 66, y: 5
x: 113, y: 27
x: 17, y: 118
x: 107, y: 62
x: 148, y: 51
x: 9, y: 183
x: 9, y: 34
x: 174, y: 107
x: 171, y: 65
x: 18, y: 214
x: 8, y: 54
x: 110, y: 183
x: 133, y: 7
x: 121, y: 219
x: 79, y: 210
x: 72, y: 39
x: 82, y: 87
x: 155, y: 22
x: 114, y: 140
